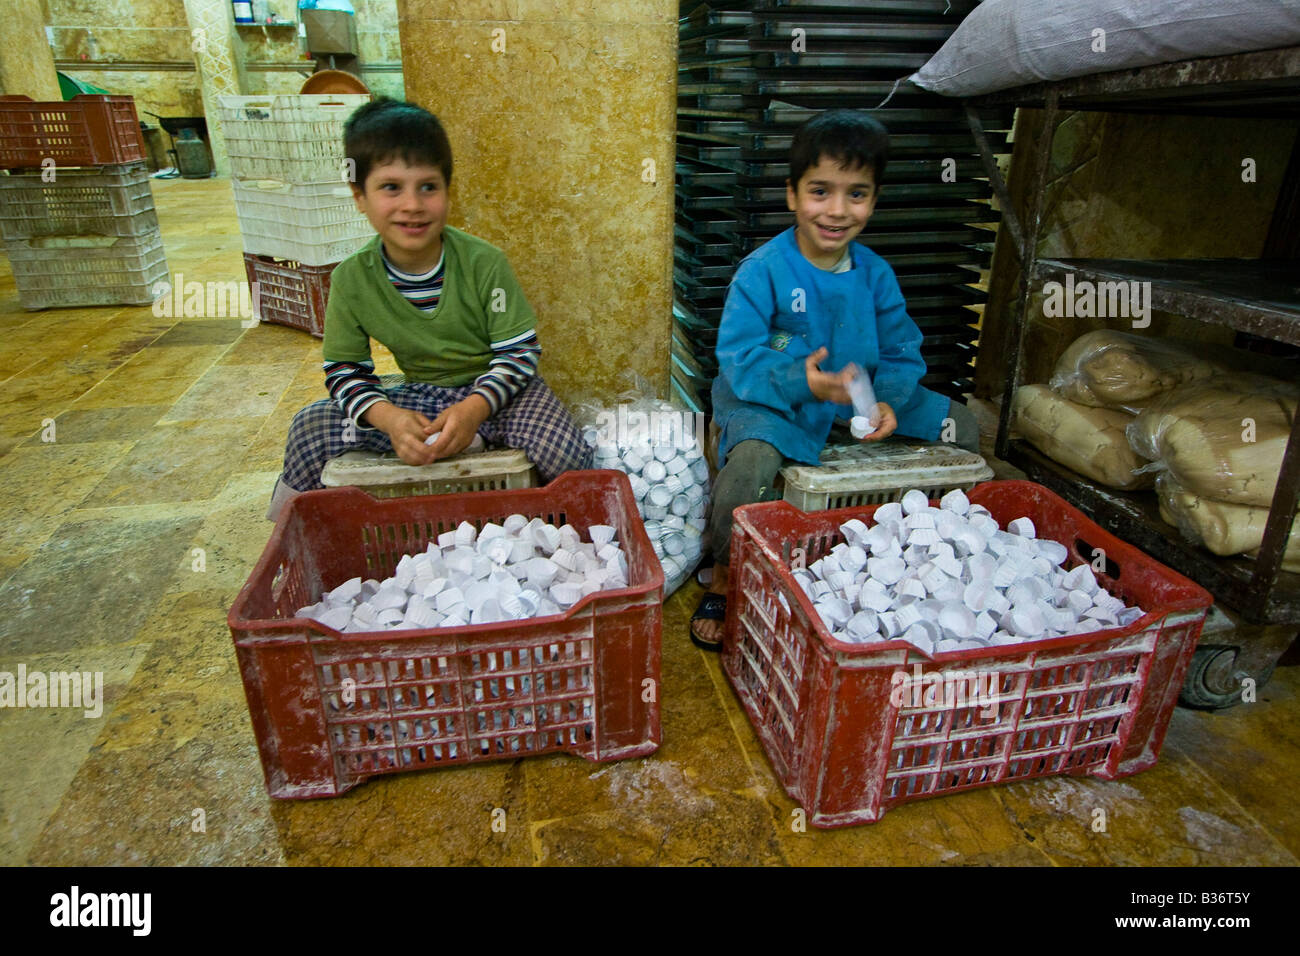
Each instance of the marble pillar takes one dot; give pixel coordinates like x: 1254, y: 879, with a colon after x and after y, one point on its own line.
x: 562, y: 120
x: 26, y: 62
x: 216, y: 53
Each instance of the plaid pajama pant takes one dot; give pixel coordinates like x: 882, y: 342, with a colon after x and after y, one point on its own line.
x: 535, y: 422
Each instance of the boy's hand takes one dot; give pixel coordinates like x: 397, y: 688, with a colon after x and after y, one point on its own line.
x: 888, y: 422
x: 459, y: 424
x: 406, y: 428
x: 827, y: 386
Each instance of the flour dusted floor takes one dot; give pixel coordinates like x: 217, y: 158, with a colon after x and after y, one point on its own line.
x: 124, y: 541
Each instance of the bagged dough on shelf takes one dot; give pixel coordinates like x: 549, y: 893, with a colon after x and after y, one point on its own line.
x: 1110, y: 369
x: 1088, y: 440
x: 1217, y: 441
x: 1225, y: 529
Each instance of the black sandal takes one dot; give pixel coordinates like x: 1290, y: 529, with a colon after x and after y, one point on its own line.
x: 712, y: 607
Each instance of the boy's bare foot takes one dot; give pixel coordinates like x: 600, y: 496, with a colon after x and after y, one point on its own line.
x: 708, y: 621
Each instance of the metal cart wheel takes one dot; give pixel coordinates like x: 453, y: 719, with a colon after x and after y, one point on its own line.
x: 1211, y: 682
x: 1230, y: 652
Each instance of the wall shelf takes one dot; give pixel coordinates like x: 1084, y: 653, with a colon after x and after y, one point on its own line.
x: 1260, y: 297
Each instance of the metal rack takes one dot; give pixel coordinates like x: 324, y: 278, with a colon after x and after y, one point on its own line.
x: 1260, y: 297
x: 745, y: 84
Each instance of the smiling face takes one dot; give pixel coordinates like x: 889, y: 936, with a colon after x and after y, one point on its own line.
x: 831, y: 205
x: 407, y: 206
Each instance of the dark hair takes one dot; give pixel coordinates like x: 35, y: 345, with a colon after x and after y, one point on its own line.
x: 385, y: 129
x: 849, y: 136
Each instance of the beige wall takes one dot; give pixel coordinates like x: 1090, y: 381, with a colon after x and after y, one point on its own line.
x: 1133, y: 186
x: 551, y: 137
x: 151, y: 38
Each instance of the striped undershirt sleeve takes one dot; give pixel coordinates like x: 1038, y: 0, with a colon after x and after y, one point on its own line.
x: 354, y: 388
x: 512, y: 366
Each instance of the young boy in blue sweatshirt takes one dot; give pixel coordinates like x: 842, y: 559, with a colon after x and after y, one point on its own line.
x: 813, y: 295
x: 449, y: 308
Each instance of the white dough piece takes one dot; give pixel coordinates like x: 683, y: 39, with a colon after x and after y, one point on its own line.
x: 887, y: 571
x: 914, y: 501
x: 336, y: 617
x: 854, y: 531
x: 1023, y: 527
x: 860, y: 426
x: 862, y: 625
x: 448, y: 599
x: 389, y: 596
x: 566, y: 594
x: 346, y: 591
x: 547, y: 538
x: 955, y: 501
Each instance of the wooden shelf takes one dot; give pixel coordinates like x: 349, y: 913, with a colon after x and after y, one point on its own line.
x: 1259, y: 296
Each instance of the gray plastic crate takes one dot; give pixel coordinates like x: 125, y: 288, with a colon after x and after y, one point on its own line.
x: 55, y: 271
x: 876, y: 472
x: 93, y: 200
x: 386, y: 476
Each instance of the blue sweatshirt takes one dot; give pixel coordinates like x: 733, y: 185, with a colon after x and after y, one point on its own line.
x: 780, y: 309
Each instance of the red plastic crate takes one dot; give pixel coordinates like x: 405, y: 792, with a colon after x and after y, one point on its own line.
x: 290, y: 293
x: 570, y: 683
x: 87, y: 130
x: 1096, y: 704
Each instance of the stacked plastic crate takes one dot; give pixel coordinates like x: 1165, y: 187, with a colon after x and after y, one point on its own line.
x: 76, y: 208
x: 294, y: 200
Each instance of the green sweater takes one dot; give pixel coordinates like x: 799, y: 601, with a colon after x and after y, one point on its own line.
x: 481, y: 303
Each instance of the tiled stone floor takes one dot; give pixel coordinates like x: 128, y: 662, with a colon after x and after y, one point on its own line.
x: 168, y: 436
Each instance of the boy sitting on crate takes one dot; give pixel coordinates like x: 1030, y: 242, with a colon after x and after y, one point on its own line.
x: 448, y: 307
x: 813, y: 295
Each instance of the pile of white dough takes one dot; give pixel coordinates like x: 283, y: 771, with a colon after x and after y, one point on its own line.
x: 948, y: 578
x: 503, y: 572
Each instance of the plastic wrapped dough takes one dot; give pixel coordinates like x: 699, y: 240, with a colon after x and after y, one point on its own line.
x: 1223, y: 528
x: 1217, y: 442
x: 1090, y: 441
x: 1109, y: 369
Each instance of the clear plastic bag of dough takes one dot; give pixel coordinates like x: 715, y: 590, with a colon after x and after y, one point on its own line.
x: 1221, y: 527
x: 1091, y: 441
x: 1219, y: 442
x: 1110, y: 369
x: 660, y: 447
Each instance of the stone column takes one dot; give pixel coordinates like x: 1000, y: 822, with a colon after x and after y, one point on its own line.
x: 220, y: 65
x: 26, y: 61
x: 562, y: 119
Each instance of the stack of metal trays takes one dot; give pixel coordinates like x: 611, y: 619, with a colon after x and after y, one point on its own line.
x: 748, y: 75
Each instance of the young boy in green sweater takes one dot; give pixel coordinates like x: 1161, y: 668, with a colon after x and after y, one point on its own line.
x: 448, y: 307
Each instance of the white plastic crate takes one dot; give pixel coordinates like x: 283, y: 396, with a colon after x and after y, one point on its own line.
x: 295, y: 138
x: 316, y: 224
x: 78, y: 201
x: 873, y: 473
x: 387, y: 476
x: 87, y: 270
